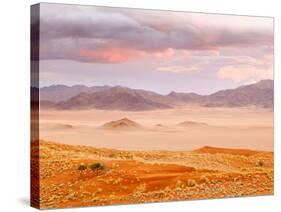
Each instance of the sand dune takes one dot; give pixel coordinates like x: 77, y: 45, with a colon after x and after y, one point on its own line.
x: 127, y: 124
x: 122, y: 124
x: 216, y: 150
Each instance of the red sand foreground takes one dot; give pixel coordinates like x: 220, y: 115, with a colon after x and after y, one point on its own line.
x: 146, y: 176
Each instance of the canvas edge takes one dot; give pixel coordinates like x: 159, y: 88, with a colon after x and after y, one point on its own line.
x: 34, y: 106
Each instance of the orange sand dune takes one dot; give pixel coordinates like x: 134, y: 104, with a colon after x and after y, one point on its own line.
x: 216, y: 150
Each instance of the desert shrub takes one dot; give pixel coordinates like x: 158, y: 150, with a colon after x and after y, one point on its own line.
x: 260, y: 163
x: 130, y: 157
x: 191, y: 183
x: 112, y: 155
x: 178, y: 184
x: 96, y: 167
x: 82, y: 167
x: 204, y: 179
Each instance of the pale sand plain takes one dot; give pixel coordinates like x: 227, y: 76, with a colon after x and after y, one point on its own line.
x: 135, y: 168
x: 247, y: 128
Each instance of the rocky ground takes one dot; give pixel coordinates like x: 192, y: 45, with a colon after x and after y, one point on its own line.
x: 145, y: 176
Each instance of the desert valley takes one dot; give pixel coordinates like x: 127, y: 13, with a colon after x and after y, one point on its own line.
x: 124, y: 118
x: 119, y: 145
x: 135, y: 106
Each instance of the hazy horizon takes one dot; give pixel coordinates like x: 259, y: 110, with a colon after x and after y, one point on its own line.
x: 143, y: 88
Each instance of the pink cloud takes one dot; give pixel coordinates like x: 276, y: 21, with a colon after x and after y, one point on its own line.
x: 166, y: 53
x: 109, y: 55
x: 245, y: 72
x: 177, y: 69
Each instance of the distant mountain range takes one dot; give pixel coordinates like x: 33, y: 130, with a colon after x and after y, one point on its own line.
x: 56, y: 93
x: 259, y: 94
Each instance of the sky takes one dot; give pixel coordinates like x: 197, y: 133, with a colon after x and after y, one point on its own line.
x: 162, y: 51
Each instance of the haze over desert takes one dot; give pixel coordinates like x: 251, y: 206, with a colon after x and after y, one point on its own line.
x: 183, y: 128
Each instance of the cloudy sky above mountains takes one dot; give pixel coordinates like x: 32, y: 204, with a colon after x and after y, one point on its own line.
x: 161, y: 51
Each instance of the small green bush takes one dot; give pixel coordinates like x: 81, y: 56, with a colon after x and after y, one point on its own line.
x: 96, y: 167
x: 178, y: 184
x: 82, y: 168
x: 191, y: 183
